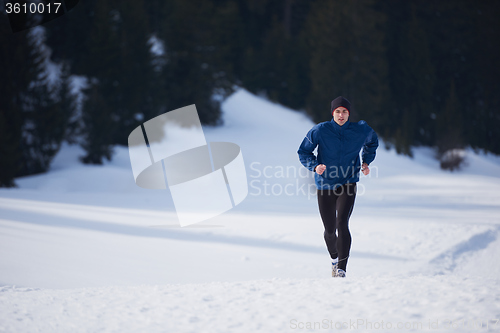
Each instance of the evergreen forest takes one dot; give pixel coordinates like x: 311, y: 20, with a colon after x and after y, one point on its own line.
x: 421, y: 73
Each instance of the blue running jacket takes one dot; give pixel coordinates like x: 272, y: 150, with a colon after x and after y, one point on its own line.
x: 338, y: 149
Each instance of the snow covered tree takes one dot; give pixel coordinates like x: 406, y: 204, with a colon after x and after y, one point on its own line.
x: 32, y: 120
x: 44, y: 116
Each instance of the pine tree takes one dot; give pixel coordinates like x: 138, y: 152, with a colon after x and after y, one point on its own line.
x: 450, y: 135
x: 345, y: 39
x: 112, y: 51
x: 195, y: 72
x: 99, y: 127
x: 483, y: 113
x: 32, y: 122
x: 68, y: 104
x: 409, y: 120
x: 69, y: 36
x: 15, y: 79
x: 135, y: 81
x: 463, y: 38
x: 275, y: 59
x: 102, y: 99
x: 44, y: 117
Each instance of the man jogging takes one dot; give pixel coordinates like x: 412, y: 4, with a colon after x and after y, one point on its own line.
x: 337, y: 168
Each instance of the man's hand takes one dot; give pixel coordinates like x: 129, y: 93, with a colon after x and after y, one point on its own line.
x: 365, y: 169
x: 320, y: 168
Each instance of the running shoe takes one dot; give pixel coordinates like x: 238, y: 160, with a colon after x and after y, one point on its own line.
x: 335, y: 267
x: 340, y: 273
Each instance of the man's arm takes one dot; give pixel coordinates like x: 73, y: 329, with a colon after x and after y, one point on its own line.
x: 370, y: 147
x: 306, y: 156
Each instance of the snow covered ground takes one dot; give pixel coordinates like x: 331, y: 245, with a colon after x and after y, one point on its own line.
x: 83, y: 249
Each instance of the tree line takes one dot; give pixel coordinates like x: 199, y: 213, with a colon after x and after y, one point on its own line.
x: 420, y: 72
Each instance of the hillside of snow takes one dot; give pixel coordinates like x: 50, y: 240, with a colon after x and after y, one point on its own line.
x: 84, y: 249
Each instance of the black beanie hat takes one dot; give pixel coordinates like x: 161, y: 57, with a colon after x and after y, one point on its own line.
x: 341, y: 101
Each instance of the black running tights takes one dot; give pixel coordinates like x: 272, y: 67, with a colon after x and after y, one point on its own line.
x: 335, y: 208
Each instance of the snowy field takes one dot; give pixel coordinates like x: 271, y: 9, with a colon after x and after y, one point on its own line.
x: 83, y: 249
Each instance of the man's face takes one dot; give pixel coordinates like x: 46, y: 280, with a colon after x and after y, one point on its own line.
x: 340, y: 115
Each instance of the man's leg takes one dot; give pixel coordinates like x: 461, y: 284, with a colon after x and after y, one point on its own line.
x: 327, y: 209
x: 345, y: 204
